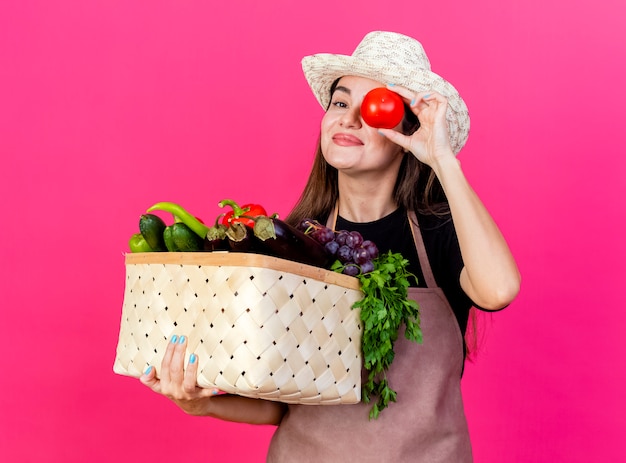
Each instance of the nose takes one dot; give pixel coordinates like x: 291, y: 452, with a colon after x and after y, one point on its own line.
x: 351, y: 118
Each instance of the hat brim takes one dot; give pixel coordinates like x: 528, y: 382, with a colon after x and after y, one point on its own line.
x: 321, y: 70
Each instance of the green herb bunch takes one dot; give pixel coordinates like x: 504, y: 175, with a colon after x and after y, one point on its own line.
x: 384, y: 309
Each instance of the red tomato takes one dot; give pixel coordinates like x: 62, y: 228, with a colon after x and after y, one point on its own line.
x: 382, y: 108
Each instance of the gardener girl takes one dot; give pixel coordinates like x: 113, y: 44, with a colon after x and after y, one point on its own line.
x: 404, y: 189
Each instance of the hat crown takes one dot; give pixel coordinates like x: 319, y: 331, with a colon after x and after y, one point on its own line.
x: 392, y: 50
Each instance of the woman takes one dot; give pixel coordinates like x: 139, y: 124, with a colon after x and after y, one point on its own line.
x: 404, y: 189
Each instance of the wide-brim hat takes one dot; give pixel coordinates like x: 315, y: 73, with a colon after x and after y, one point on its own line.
x: 389, y: 58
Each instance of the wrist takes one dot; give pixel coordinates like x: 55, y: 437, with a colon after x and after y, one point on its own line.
x: 444, y: 164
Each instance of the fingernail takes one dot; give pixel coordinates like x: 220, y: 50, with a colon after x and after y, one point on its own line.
x: 380, y: 133
x: 413, y: 101
x: 174, y: 338
x: 182, y: 340
x: 148, y: 370
x: 215, y: 392
x: 426, y: 96
x: 192, y: 358
x: 392, y: 85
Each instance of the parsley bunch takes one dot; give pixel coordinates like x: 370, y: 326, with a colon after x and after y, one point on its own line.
x: 384, y: 309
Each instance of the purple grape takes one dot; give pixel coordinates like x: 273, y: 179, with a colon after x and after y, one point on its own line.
x: 304, y: 224
x: 341, y: 237
x: 371, y: 248
x: 332, y: 247
x: 367, y: 267
x: 324, y: 235
x: 344, y: 254
x: 308, y: 225
x: 351, y: 270
x: 354, y: 240
x: 360, y: 255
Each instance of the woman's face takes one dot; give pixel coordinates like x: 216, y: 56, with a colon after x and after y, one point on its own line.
x: 348, y: 143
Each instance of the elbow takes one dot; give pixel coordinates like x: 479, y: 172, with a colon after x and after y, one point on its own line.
x: 502, y: 295
x: 494, y: 291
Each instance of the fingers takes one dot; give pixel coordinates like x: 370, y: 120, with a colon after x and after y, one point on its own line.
x: 431, y: 139
x: 167, y: 359
x: 419, y: 101
x: 172, y: 365
x: 172, y: 368
x: 413, y: 99
x: 177, y: 346
x: 149, y: 379
x: 189, y: 381
x: 397, y: 137
x: 176, y: 381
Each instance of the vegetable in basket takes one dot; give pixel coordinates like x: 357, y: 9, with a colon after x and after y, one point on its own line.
x: 240, y: 237
x: 216, y: 239
x: 151, y: 228
x: 181, y: 215
x: 180, y: 238
x: 241, y: 214
x: 287, y: 242
x: 137, y: 243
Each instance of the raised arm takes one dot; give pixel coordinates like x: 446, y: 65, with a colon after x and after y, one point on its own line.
x: 490, y: 276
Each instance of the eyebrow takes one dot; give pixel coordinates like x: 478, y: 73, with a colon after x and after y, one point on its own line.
x: 343, y: 89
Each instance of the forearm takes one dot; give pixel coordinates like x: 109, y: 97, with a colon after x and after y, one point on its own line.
x: 240, y: 409
x: 490, y: 277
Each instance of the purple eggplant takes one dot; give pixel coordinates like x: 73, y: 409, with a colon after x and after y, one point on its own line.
x: 241, y: 238
x: 287, y: 242
x: 216, y: 239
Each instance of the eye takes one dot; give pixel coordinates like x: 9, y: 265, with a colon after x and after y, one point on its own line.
x: 338, y: 104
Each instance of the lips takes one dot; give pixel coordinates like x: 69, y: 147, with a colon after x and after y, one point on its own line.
x: 344, y: 139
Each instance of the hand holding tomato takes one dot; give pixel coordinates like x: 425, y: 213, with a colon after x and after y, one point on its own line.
x: 382, y: 108
x: 431, y: 142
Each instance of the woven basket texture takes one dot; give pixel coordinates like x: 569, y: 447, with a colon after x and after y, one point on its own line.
x: 261, y: 327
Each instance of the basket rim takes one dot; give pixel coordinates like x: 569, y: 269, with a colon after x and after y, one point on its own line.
x: 243, y: 259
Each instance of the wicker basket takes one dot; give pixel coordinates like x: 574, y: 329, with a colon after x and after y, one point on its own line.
x: 262, y: 327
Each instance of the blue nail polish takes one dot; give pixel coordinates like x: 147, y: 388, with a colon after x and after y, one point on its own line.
x: 148, y: 370
x: 413, y: 101
x: 174, y: 338
x: 215, y: 392
x: 426, y: 96
x: 192, y: 358
x: 392, y: 85
x: 181, y: 340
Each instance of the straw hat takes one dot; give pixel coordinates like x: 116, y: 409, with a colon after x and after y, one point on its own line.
x: 393, y: 58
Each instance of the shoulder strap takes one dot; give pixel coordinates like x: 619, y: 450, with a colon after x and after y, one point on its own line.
x: 421, y: 251
x: 332, y: 218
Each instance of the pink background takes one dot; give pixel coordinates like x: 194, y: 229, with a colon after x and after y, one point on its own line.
x: 109, y: 106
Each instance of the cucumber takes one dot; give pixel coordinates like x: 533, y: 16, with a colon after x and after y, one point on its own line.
x: 152, y: 227
x: 169, y: 241
x: 185, y: 239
